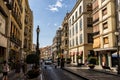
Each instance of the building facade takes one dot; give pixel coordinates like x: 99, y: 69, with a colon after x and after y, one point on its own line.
x: 56, y: 46
x: 27, y: 30
x: 104, y: 27
x: 5, y: 8
x: 80, y: 31
x: 64, y: 37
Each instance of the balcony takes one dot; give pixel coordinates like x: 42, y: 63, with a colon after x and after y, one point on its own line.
x: 15, y: 40
x: 96, y: 20
x: 9, y: 4
x: 96, y: 33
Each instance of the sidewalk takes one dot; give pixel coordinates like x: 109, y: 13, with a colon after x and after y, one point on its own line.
x: 97, y: 73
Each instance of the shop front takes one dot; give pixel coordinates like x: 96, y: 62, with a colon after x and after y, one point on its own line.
x: 105, y: 56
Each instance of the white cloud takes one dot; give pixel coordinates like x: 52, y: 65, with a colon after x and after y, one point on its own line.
x: 56, y: 6
x: 53, y: 8
x: 55, y: 24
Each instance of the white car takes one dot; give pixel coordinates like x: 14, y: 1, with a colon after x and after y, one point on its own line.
x: 48, y: 62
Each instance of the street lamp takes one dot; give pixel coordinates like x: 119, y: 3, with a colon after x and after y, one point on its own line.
x: 37, y: 46
x: 117, y: 33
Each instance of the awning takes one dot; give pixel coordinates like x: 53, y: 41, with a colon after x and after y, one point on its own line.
x: 115, y: 54
x: 104, y: 49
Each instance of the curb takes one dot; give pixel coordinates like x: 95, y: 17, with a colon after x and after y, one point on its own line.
x: 106, y: 72
x: 75, y: 74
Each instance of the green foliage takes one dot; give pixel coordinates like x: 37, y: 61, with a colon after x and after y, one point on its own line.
x: 68, y: 60
x: 92, y: 60
x: 32, y: 59
x: 79, y: 57
x: 33, y: 73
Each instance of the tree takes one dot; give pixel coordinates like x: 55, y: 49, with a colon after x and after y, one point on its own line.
x: 32, y: 59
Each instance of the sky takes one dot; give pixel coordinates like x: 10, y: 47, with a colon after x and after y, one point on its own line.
x: 48, y: 14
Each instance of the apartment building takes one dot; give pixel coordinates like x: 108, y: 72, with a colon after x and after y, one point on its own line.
x: 56, y: 46
x: 104, y: 27
x: 64, y: 37
x: 80, y: 31
x: 27, y: 30
x: 5, y: 8
x: 21, y: 28
x: 15, y: 30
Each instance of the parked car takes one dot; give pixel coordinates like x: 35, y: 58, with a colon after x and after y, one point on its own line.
x: 48, y: 62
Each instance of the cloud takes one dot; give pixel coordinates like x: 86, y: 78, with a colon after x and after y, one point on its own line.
x: 55, y: 7
x: 55, y: 24
x: 58, y: 4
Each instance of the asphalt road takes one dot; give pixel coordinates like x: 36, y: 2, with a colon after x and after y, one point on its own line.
x: 52, y: 73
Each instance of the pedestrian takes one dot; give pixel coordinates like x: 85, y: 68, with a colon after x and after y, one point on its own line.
x: 5, y: 69
x: 17, y: 69
x: 24, y: 67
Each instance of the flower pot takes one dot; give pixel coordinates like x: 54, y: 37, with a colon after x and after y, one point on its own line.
x: 33, y: 74
x: 91, y: 66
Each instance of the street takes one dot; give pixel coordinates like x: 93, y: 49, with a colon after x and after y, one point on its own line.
x: 52, y: 73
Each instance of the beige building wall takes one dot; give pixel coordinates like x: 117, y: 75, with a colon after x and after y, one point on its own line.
x: 4, y: 30
x: 78, y: 38
x: 106, y: 38
x: 27, y: 31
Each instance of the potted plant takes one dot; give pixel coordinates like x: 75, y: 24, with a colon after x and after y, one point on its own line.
x: 92, y: 62
x: 68, y: 60
x: 35, y: 71
x: 79, y: 60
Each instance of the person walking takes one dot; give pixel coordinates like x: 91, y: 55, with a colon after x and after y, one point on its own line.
x: 18, y: 69
x: 5, y: 68
x: 24, y: 67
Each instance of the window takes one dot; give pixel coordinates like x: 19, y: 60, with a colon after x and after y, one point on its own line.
x: 105, y: 40
x: 70, y: 22
x: 76, y: 27
x: 73, y: 31
x: 66, y: 34
x: 76, y: 40
x: 70, y: 33
x: 80, y: 24
x: 89, y: 22
x: 104, y: 11
x: 95, y: 4
x: 0, y: 24
x: 96, y: 30
x: 90, y: 37
x: 80, y: 10
x: 80, y: 38
x: 66, y: 42
x: 95, y: 17
x: 105, y: 25
x: 76, y: 15
x: 89, y: 7
x: 70, y: 43
x: 73, y: 42
x: 72, y: 19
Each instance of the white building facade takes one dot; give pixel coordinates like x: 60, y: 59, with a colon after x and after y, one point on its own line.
x: 80, y: 31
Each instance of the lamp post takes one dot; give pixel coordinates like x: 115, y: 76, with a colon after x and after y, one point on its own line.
x: 118, y: 57
x: 37, y: 47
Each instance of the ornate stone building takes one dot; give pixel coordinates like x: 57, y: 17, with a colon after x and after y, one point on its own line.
x: 27, y: 31
x: 56, y: 46
x: 65, y: 37
x: 5, y: 8
x: 16, y: 30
